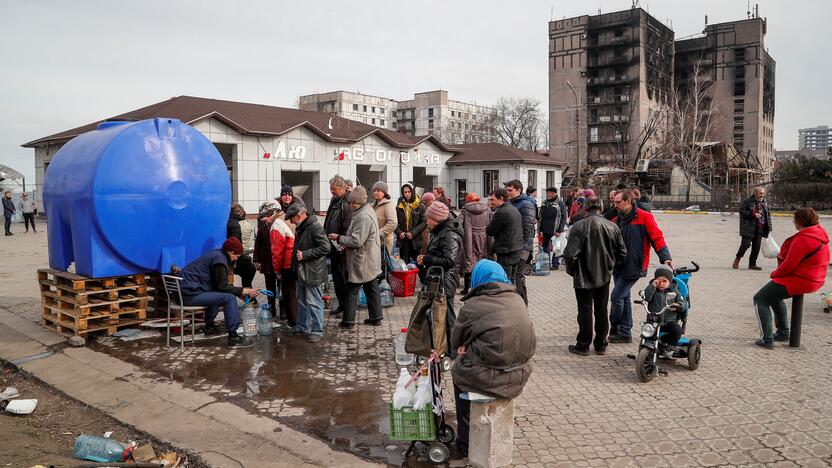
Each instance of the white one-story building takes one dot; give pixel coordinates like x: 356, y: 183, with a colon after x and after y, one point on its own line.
x: 265, y: 147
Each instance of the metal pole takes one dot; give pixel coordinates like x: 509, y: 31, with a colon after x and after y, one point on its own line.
x: 797, y: 321
x: 577, y: 139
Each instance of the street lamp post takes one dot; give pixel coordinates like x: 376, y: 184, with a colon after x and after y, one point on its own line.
x: 577, y: 139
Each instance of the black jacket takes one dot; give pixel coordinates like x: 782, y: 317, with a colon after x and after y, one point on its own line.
x: 263, y: 247
x: 506, y: 227
x: 748, y: 222
x: 528, y: 214
x: 338, y: 215
x: 552, y: 216
x: 232, y: 228
x: 445, y: 250
x: 594, y: 247
x: 417, y: 223
x: 8, y: 207
x: 310, y: 239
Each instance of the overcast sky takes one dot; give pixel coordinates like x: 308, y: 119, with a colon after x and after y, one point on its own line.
x: 64, y: 64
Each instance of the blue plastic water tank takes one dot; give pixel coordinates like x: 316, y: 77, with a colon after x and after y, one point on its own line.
x: 133, y: 197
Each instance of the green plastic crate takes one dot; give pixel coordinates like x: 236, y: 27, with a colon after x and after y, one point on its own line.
x: 407, y: 424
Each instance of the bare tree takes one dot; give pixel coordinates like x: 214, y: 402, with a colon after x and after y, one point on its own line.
x: 692, y: 112
x: 628, y: 147
x: 518, y: 122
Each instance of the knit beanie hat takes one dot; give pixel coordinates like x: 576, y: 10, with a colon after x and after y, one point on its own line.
x: 233, y: 245
x: 381, y: 186
x: 438, y: 212
x: 286, y: 189
x: 428, y: 197
x: 663, y: 272
x: 358, y: 195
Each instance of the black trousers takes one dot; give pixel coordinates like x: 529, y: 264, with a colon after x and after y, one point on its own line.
x: 672, y: 333
x: 754, y: 243
x: 338, y: 267
x: 245, y: 269
x: 8, y: 224
x: 271, y: 285
x: 514, y: 264
x: 463, y: 420
x: 29, y: 218
x: 589, y: 301
x: 373, y: 301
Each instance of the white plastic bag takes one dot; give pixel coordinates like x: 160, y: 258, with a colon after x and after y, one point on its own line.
x: 770, y: 247
x: 558, y: 245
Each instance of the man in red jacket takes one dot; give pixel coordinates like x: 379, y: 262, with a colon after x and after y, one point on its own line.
x: 801, y: 268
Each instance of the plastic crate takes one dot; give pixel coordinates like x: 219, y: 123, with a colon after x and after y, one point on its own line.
x: 409, y: 424
x: 403, y: 283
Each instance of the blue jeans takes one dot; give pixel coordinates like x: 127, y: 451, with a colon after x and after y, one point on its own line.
x: 621, y: 309
x: 310, y: 307
x: 213, y: 300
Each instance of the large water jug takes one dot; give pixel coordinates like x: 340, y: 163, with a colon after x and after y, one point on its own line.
x: 264, y: 320
x: 386, y: 293
x: 250, y: 319
x: 99, y: 449
x: 542, y: 262
x: 133, y: 197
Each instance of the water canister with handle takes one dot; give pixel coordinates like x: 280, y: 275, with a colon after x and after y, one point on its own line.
x: 135, y: 197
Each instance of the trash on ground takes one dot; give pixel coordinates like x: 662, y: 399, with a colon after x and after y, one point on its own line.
x: 144, y: 453
x: 169, y: 459
x: 108, y: 434
x: 141, y: 335
x: 22, y: 406
x: 163, y: 323
x: 692, y: 208
x: 100, y: 449
x: 8, y: 393
x: 127, y: 332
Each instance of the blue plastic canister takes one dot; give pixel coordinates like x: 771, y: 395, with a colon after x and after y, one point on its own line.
x: 134, y: 197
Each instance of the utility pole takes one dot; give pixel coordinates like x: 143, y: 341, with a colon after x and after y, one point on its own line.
x: 577, y: 138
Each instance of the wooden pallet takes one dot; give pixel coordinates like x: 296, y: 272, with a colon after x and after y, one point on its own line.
x: 73, y: 282
x: 65, y: 321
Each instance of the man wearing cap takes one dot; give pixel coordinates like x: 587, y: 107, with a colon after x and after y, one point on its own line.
x: 205, y: 283
x: 595, y: 245
x: 336, y: 222
x: 444, y: 251
x: 363, y: 246
x: 309, y: 262
x: 286, y: 199
x: 552, y: 221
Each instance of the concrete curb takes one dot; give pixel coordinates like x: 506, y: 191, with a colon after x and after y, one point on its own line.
x: 779, y: 214
x: 223, y: 434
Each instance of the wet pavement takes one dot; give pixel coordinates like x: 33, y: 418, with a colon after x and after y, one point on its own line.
x: 336, y: 389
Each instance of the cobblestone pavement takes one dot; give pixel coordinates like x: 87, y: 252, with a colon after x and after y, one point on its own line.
x: 744, y: 406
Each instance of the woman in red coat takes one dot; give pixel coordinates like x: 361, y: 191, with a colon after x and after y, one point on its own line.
x: 801, y: 268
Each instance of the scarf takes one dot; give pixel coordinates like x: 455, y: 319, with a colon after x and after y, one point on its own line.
x: 408, y: 208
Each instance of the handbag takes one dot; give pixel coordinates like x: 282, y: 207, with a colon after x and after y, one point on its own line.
x: 770, y: 247
x: 427, y: 320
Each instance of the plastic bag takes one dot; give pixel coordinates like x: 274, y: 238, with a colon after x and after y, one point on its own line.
x: 558, y: 245
x: 770, y: 247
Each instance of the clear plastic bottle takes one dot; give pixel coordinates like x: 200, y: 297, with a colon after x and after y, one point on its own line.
x: 264, y: 320
x: 386, y: 293
x: 250, y: 319
x: 423, y: 391
x: 403, y: 358
x: 99, y: 449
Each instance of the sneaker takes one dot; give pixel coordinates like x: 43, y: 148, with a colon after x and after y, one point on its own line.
x: 620, y: 339
x: 754, y: 267
x: 781, y: 336
x: 375, y: 323
x: 295, y: 332
x: 580, y: 352
x: 313, y: 338
x: 237, y: 341
x: 763, y: 344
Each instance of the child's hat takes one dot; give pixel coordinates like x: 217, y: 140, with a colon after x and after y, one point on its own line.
x: 663, y: 272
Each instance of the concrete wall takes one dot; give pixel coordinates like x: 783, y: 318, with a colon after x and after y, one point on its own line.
x: 473, y: 174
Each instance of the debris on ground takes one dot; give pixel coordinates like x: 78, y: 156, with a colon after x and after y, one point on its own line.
x: 77, y: 341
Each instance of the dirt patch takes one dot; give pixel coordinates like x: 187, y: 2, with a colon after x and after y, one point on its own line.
x: 47, y: 436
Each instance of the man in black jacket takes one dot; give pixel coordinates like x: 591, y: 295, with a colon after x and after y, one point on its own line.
x: 506, y: 228
x: 552, y: 221
x: 309, y: 264
x: 595, y: 245
x: 755, y: 223
x: 337, y: 221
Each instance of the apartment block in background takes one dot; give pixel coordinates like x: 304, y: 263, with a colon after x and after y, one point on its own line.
x: 615, y: 71
x: 734, y: 56
x: 428, y: 113
x: 371, y: 110
x: 816, y: 138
